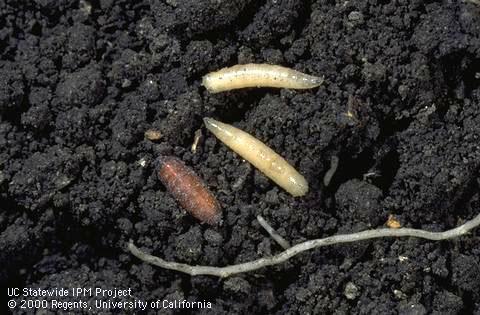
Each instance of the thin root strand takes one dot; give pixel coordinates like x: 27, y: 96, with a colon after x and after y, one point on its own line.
x: 227, y: 271
x: 273, y: 234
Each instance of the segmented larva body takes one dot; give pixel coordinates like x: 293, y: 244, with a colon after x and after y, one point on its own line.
x: 261, y: 156
x: 258, y: 75
x: 188, y: 189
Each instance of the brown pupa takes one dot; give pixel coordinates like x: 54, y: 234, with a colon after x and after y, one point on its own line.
x: 188, y: 189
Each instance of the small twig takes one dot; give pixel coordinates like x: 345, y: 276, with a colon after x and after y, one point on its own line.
x: 299, y: 248
x: 277, y: 237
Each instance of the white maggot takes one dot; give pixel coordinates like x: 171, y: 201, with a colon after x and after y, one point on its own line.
x: 261, y: 156
x: 258, y: 75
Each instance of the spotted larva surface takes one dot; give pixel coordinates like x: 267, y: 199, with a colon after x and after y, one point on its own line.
x: 188, y: 189
x: 261, y: 156
x: 258, y: 75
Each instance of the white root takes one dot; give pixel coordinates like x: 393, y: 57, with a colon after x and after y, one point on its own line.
x: 333, y: 168
x: 227, y: 271
x: 273, y: 234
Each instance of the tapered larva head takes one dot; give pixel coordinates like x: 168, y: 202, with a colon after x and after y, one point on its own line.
x: 224, y: 132
x: 315, y: 81
x: 208, y: 121
x: 212, y: 125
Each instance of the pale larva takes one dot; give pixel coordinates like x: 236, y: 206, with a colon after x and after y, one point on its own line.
x: 261, y: 156
x: 258, y: 75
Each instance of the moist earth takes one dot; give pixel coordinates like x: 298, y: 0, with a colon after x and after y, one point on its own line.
x: 81, y: 82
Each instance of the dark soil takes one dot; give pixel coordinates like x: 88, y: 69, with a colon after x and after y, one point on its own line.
x: 81, y: 81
